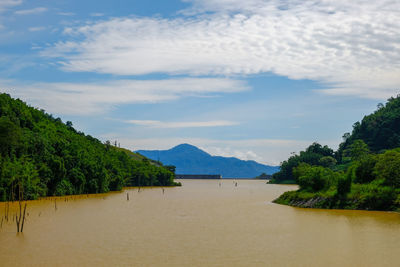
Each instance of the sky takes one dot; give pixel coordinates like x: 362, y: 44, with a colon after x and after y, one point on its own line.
x: 255, y: 79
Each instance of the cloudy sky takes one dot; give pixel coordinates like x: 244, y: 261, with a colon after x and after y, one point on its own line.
x: 255, y: 79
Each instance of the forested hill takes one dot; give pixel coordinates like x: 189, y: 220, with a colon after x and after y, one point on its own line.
x: 42, y: 156
x: 363, y: 174
x: 379, y: 130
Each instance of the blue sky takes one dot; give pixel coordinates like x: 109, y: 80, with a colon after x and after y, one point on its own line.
x: 254, y: 79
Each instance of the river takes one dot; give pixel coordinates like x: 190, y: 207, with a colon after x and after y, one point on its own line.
x: 201, y: 223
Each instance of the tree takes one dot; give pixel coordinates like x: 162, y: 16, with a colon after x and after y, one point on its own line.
x: 314, y: 178
x: 388, y: 168
x: 327, y: 161
x: 379, y: 130
x: 365, y: 169
x: 10, y: 135
x: 357, y: 150
x: 312, y: 156
x: 171, y: 168
x: 345, y: 136
x: 344, y: 183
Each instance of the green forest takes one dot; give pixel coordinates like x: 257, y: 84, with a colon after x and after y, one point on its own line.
x: 364, y: 173
x: 42, y: 156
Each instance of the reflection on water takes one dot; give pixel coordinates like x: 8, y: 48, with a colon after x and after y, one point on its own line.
x: 198, y: 224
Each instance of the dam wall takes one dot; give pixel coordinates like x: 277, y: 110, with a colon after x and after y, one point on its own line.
x: 198, y: 176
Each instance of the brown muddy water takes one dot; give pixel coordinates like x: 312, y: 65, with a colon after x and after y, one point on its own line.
x: 198, y: 224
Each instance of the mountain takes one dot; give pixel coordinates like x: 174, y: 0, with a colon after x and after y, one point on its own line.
x: 189, y: 159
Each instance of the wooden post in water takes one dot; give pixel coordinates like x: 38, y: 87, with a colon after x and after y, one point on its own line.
x: 6, y: 210
x: 17, y: 222
x: 127, y: 196
x: 23, y: 219
x: 18, y: 218
x: 20, y: 224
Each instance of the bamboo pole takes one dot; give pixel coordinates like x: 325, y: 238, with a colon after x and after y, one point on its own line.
x: 23, y: 219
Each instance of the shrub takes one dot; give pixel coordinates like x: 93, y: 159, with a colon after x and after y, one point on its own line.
x: 364, y: 171
x: 315, y: 178
x: 344, y: 183
x: 388, y: 168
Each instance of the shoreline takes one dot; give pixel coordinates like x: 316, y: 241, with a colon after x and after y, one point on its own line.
x: 327, y: 202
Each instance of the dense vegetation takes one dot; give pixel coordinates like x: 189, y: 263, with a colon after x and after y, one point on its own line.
x: 42, y: 156
x: 315, y: 154
x: 380, y: 130
x: 363, y: 174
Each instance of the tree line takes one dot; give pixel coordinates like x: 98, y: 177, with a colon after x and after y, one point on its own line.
x: 42, y: 156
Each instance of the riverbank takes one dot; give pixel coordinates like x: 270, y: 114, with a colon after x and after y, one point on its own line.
x: 359, y: 199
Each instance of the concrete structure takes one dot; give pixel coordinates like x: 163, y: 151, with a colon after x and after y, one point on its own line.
x: 198, y: 176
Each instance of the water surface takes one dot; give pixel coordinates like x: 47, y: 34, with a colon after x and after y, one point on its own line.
x: 198, y: 224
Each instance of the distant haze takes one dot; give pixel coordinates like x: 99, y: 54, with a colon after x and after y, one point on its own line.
x: 189, y: 159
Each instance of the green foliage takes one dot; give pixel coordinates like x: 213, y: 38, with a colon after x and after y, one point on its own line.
x: 357, y: 150
x: 307, y: 199
x: 263, y: 176
x: 371, y: 180
x: 327, y: 161
x: 380, y: 130
x: 312, y: 155
x: 10, y: 135
x: 344, y: 183
x: 19, y: 171
x: 171, y: 168
x: 365, y: 169
x: 315, y: 178
x: 48, y: 157
x: 387, y: 168
x: 373, y: 196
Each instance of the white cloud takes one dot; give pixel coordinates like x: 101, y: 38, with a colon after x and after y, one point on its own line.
x: 95, y: 98
x: 229, y: 151
x: 200, y: 6
x: 351, y: 46
x: 5, y: 4
x: 36, y: 29
x: 36, y: 10
x: 96, y: 14
x: 66, y: 13
x: 183, y: 124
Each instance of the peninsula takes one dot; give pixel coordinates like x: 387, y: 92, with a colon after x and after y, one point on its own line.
x: 364, y: 173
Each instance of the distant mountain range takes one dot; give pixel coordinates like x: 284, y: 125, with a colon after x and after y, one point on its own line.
x: 189, y: 159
